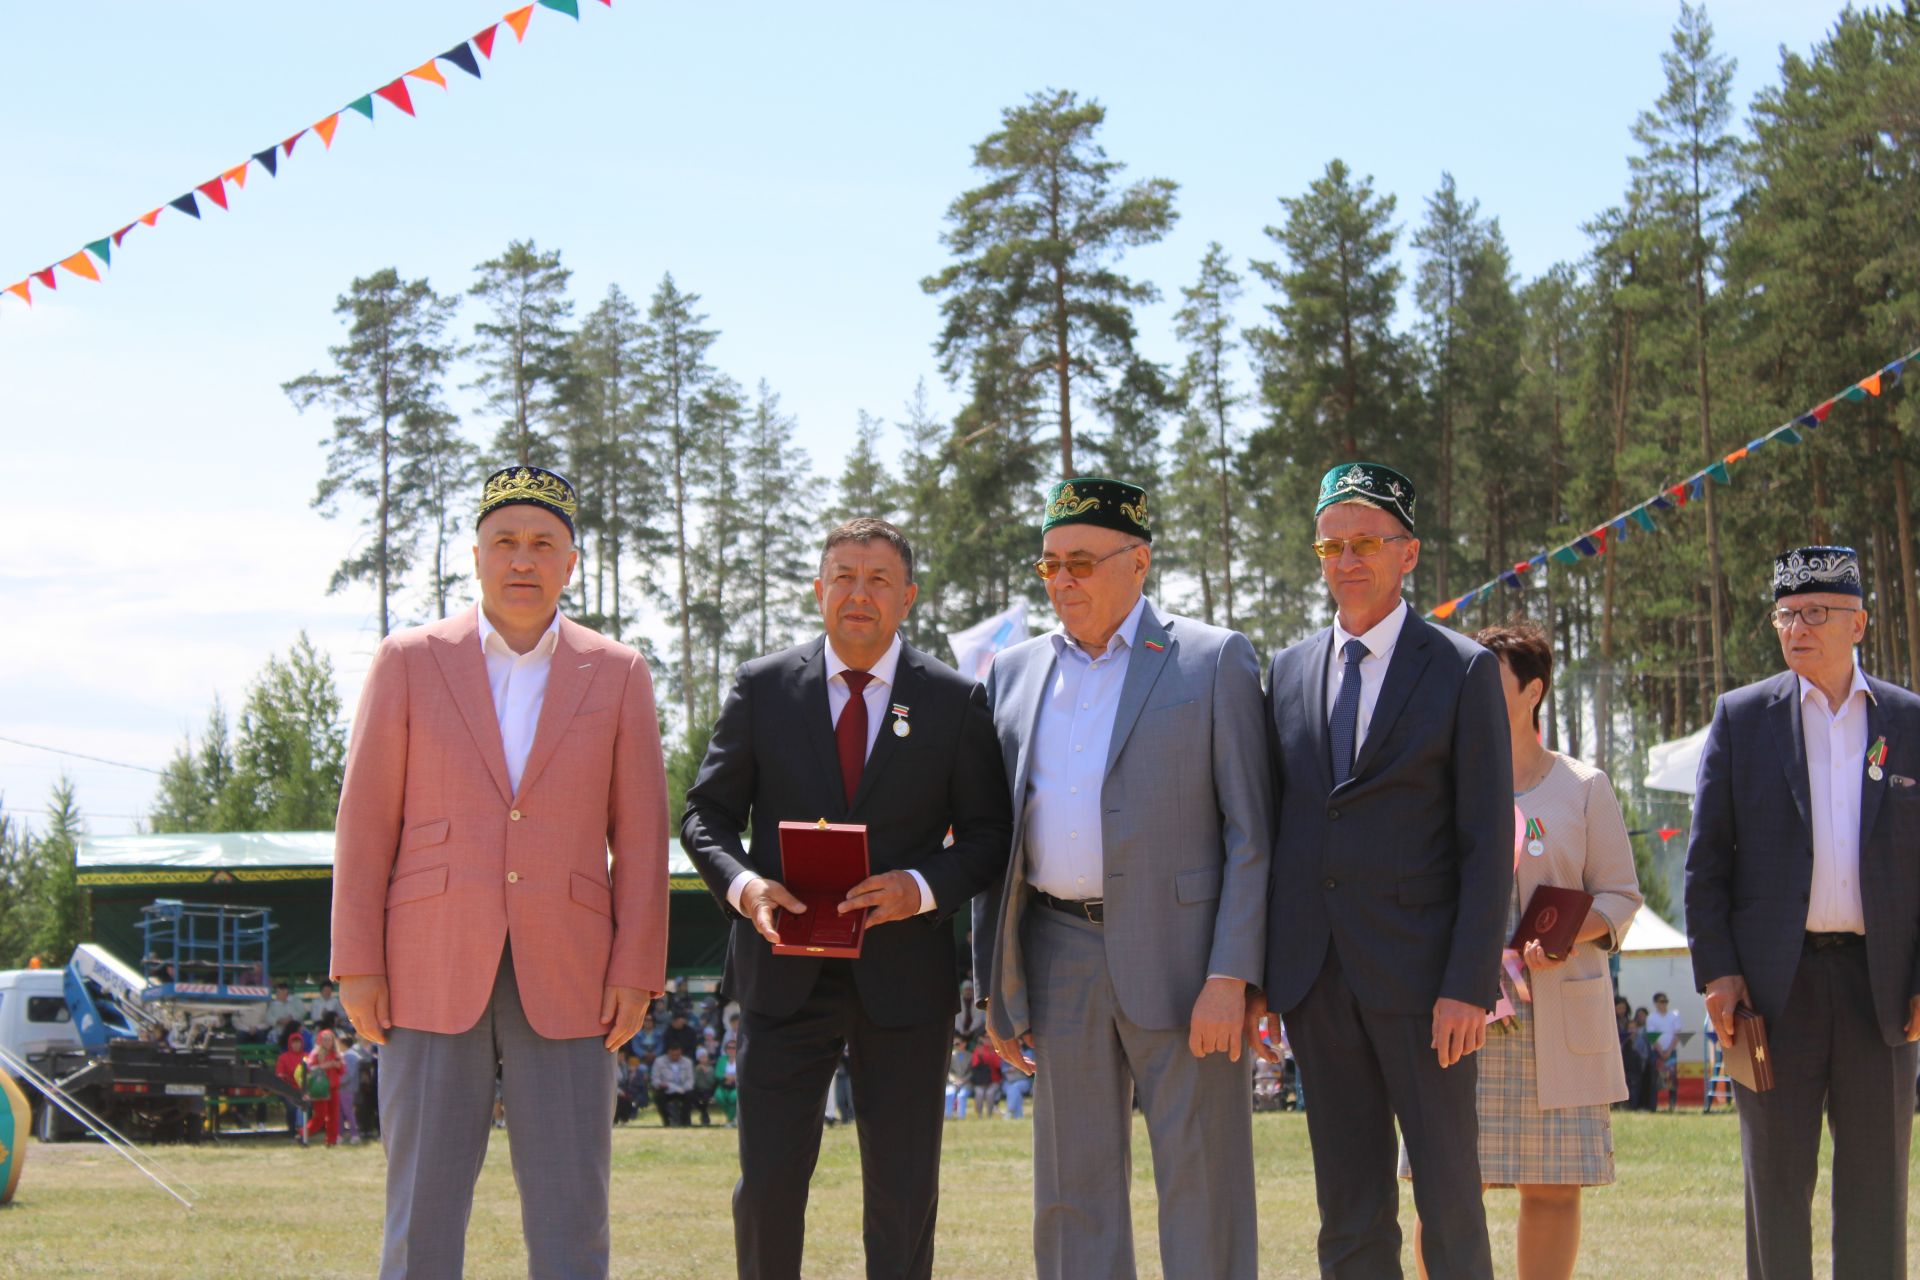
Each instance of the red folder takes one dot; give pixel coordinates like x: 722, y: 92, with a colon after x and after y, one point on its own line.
x: 819, y: 862
x: 1554, y: 916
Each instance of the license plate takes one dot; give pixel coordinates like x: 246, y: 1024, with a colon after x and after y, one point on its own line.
x: 186, y: 1091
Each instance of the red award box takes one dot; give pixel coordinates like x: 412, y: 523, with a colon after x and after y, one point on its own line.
x: 1554, y: 916
x: 819, y: 862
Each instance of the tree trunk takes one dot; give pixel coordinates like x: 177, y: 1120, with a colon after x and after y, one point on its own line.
x: 1903, y: 509
x: 1706, y: 450
x: 1603, y: 695
x: 1060, y: 333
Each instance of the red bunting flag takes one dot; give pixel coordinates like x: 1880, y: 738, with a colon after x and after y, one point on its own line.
x: 518, y: 20
x: 121, y: 234
x: 397, y: 94
x: 484, y: 41
x: 1668, y: 833
x: 429, y: 71
x: 81, y: 265
x: 326, y: 127
x: 1821, y: 410
x: 46, y: 278
x: 214, y: 190
x: 24, y: 290
x: 286, y: 148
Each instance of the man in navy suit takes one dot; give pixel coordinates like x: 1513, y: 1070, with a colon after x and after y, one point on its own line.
x: 1803, y: 902
x: 1392, y: 873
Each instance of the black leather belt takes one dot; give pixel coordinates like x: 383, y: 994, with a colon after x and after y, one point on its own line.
x: 1089, y: 909
x: 1828, y: 941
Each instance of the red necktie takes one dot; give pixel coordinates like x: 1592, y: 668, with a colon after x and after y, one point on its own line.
x: 850, y: 735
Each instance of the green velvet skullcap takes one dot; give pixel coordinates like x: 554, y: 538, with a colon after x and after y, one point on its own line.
x: 1111, y: 504
x: 1371, y: 484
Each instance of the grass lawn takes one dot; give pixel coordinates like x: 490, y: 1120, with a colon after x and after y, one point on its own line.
x: 267, y: 1208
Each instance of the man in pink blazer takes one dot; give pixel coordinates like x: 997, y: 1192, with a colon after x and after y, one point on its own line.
x: 479, y: 926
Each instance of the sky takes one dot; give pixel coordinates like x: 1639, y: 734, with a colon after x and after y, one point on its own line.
x: 792, y: 165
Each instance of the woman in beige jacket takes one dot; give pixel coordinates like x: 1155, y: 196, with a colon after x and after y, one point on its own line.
x: 1549, y: 1072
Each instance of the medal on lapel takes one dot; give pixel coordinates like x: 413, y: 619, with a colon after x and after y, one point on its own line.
x: 1536, y: 837
x: 900, y: 726
x: 1877, y: 758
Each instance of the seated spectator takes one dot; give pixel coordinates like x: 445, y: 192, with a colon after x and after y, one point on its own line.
x: 983, y: 1074
x: 646, y: 1041
x: 704, y: 1084
x: 351, y: 1056
x: 673, y: 1088
x: 681, y: 1035
x: 1014, y: 1088
x: 959, y: 1089
x: 284, y: 1010
x: 326, y: 1004
x: 366, y: 1100
x: 631, y: 1087
x: 726, y: 1090
x: 251, y: 1023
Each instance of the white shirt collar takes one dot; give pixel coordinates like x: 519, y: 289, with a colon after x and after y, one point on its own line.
x: 491, y: 639
x: 1859, y: 685
x: 1380, y: 638
x: 1123, y: 636
x: 881, y: 671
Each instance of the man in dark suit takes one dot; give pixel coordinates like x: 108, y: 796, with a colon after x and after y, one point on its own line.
x: 855, y: 727
x: 1803, y: 902
x: 1392, y: 874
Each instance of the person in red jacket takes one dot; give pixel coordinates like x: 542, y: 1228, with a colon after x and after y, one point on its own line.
x: 287, y: 1066
x: 325, y: 1060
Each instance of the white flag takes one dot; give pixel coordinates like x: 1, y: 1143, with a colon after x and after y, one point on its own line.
x: 973, y: 649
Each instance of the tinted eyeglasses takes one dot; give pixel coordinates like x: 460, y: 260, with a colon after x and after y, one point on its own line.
x: 1363, y: 546
x: 1049, y: 567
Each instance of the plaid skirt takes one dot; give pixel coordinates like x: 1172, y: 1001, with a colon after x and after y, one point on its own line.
x: 1520, y: 1144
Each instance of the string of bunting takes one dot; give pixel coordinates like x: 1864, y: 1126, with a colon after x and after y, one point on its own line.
x: 1640, y: 517
x: 95, y: 255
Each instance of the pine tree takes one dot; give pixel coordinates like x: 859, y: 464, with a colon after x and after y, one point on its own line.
x: 1205, y: 325
x: 776, y: 487
x: 604, y: 398
x: 195, y: 779
x: 1448, y: 241
x: 290, y: 748
x: 866, y: 489
x: 719, y: 417
x: 522, y: 348
x: 1034, y: 282
x: 63, y: 911
x: 384, y: 390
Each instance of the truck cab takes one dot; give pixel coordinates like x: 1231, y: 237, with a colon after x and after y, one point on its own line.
x: 35, y: 1022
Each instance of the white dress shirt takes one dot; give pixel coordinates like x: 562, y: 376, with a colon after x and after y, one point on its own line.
x: 1380, y: 641
x: 519, y: 682
x: 877, y: 695
x: 1836, y: 770
x: 1062, y: 831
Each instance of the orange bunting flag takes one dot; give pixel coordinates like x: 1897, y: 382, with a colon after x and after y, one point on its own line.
x: 429, y: 71
x: 397, y: 94
x: 326, y: 127
x: 150, y: 218
x: 1445, y: 610
x: 215, y: 190
x: 518, y: 21
x: 237, y: 175
x: 24, y: 289
x: 81, y: 265
x: 1735, y: 456
x: 1872, y: 383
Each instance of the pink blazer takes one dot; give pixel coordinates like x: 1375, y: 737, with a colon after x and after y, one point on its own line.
x: 437, y: 863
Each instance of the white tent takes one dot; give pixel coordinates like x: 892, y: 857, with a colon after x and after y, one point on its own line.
x: 1649, y: 935
x: 1654, y: 957
x: 1671, y: 766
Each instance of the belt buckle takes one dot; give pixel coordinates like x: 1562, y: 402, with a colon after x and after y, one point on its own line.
x: 1094, y: 909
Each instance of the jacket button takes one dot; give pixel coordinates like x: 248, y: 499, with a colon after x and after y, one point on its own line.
x: 1329, y: 883
x: 515, y: 815
x: 513, y: 877
x: 1333, y: 815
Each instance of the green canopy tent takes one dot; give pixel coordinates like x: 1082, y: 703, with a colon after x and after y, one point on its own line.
x: 292, y: 873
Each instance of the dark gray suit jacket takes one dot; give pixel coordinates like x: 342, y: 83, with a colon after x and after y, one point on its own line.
x: 1408, y: 867
x: 1750, y: 856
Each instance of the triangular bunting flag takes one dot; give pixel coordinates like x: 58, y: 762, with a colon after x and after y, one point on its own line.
x: 1699, y: 487
x: 397, y: 94
x: 270, y: 160
x: 1599, y: 536
x: 1872, y: 383
x: 287, y: 146
x: 24, y: 289
x: 1820, y: 412
x: 569, y: 7
x: 1586, y: 547
x: 1857, y: 392
x: 1680, y: 494
x: 1538, y: 560
x: 1755, y: 446
x: 102, y: 249
x: 150, y: 217
x: 1620, y: 528
x: 187, y: 205
x: 1719, y: 472
x: 1659, y: 502
x: 1566, y: 555
x: 1525, y: 566
x: 429, y: 72
x: 46, y: 278
x: 237, y: 176
x: 1640, y: 517
x: 326, y: 127
x: 1787, y: 435
x: 1439, y: 610
x: 1808, y: 421
x: 121, y: 234
x: 1911, y: 356
x: 363, y: 104
x: 1892, y: 373
x: 214, y: 190
x: 81, y: 265
x: 1738, y: 455
x: 462, y: 57
x: 1468, y: 598
x: 518, y: 20
x: 483, y: 41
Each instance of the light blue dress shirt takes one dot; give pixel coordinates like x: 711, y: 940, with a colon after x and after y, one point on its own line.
x: 1070, y: 742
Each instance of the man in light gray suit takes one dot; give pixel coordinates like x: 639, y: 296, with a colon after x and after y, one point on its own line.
x: 1132, y: 919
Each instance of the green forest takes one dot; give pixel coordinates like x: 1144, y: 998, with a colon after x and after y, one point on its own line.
x: 1762, y: 256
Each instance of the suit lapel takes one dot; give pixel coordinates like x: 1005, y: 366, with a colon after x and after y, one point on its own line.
x: 907, y: 683
x: 1871, y: 792
x: 816, y: 721
x: 464, y: 667
x: 1784, y: 711
x: 1029, y: 695
x: 1411, y: 653
x: 1314, y: 692
x: 1144, y: 666
x: 575, y: 658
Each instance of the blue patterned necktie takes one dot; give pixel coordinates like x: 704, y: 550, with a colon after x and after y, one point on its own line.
x: 1346, y: 712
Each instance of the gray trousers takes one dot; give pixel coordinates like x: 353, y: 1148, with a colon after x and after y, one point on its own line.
x: 436, y: 1111
x: 1829, y: 1058
x: 1092, y: 1061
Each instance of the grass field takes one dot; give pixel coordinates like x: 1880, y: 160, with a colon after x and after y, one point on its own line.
x: 267, y: 1208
